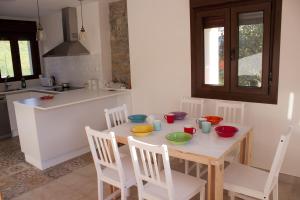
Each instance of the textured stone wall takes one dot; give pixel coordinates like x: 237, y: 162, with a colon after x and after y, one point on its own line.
x: 119, y: 42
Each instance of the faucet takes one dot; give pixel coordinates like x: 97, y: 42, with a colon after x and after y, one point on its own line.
x: 6, y: 85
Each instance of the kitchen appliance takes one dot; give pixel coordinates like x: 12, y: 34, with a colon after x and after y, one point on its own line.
x: 5, y: 130
x: 71, y: 45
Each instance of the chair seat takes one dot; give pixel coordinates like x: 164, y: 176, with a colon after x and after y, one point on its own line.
x: 112, y: 175
x: 245, y: 180
x: 185, y: 187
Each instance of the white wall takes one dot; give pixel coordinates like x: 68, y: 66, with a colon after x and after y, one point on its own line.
x: 78, y: 69
x: 159, y: 39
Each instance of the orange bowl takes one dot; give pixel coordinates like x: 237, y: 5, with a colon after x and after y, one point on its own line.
x: 214, y: 120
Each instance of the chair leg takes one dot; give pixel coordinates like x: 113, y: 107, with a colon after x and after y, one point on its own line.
x: 123, y: 194
x: 202, y: 193
x: 197, y: 170
x: 186, y: 167
x: 275, y: 192
x: 100, y: 190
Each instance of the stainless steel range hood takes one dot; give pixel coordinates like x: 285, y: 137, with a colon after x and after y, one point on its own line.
x: 71, y: 45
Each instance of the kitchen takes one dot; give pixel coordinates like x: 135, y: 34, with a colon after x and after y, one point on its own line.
x: 75, y: 74
x: 141, y: 54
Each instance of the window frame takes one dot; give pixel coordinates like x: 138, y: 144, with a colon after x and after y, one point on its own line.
x: 14, y: 31
x: 269, y: 91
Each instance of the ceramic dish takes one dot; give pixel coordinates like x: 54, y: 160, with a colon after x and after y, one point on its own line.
x: 47, y: 97
x: 139, y: 118
x: 142, y: 130
x: 178, y: 138
x: 214, y: 119
x: 226, y: 131
x: 179, y: 115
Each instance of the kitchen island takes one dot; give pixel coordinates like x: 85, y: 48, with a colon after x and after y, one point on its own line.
x: 52, y: 131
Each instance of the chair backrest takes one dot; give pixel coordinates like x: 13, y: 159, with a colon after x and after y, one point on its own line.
x: 231, y: 112
x: 278, y: 161
x: 147, y: 156
x: 192, y: 106
x: 116, y: 116
x: 105, y: 152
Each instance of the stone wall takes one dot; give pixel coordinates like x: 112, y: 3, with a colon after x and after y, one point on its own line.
x: 119, y: 42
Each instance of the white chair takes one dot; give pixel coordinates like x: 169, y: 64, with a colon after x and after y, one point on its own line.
x: 116, y: 117
x: 156, y: 184
x: 110, y: 167
x: 232, y: 112
x: 248, y: 183
x: 194, y: 108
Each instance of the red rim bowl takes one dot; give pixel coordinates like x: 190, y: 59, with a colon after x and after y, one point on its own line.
x: 226, y: 131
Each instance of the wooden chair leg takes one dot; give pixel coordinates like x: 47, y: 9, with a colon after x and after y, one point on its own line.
x: 186, y: 167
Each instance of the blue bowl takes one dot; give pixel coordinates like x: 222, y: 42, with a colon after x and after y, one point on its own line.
x: 140, y: 118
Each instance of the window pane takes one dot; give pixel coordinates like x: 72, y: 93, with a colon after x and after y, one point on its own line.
x: 214, y: 56
x: 6, y: 65
x: 250, y: 49
x: 25, y: 57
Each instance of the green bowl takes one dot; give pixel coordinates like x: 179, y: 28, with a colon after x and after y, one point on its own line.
x: 179, y: 138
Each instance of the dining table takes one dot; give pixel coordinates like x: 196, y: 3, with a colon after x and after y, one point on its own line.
x: 205, y: 148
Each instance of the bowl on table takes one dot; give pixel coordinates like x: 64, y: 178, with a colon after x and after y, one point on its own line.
x: 142, y: 130
x: 139, y: 118
x: 214, y: 120
x: 179, y: 115
x: 179, y: 138
x: 226, y: 131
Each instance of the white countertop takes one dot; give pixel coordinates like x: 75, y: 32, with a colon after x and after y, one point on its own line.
x: 70, y: 97
x: 31, y: 89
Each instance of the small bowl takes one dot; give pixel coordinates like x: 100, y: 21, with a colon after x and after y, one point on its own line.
x: 139, y: 118
x: 214, y: 119
x: 226, y: 131
x: 179, y: 115
x: 47, y: 97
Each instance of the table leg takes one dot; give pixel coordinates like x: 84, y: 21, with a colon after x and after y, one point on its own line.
x: 246, y: 149
x: 215, y: 180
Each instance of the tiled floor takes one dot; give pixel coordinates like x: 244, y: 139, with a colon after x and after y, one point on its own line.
x: 76, y: 180
x: 17, y: 176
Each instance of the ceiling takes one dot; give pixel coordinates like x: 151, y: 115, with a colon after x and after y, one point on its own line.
x: 27, y: 8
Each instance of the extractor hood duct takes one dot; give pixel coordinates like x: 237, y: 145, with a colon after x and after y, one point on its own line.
x: 71, y: 45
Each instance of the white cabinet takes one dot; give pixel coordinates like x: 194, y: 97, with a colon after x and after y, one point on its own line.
x: 15, y: 97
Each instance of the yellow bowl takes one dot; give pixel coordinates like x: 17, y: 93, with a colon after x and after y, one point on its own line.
x: 142, y: 130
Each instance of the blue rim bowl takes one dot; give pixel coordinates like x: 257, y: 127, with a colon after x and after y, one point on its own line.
x: 139, y: 118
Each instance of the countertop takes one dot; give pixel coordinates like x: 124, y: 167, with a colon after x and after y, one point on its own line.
x: 70, y: 98
x: 31, y: 89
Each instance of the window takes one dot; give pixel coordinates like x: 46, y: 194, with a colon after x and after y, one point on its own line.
x: 235, y: 49
x: 19, y: 54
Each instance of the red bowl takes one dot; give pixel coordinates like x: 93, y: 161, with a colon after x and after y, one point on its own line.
x: 47, y: 97
x: 213, y: 119
x: 226, y: 131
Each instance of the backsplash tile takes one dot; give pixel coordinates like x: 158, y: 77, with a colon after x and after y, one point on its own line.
x: 76, y: 70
